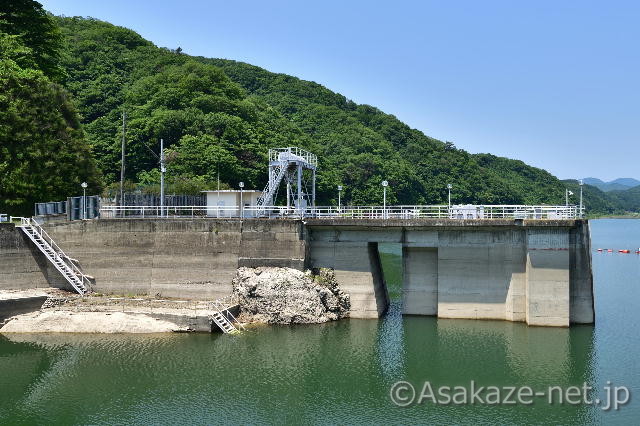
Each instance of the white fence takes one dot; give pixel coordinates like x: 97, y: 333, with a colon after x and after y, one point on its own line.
x: 351, y: 212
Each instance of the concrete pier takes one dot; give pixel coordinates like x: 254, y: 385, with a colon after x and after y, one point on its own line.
x: 533, y: 271
x: 536, y: 271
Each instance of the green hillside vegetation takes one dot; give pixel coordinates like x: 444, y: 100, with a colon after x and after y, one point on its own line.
x: 629, y: 199
x: 219, y: 117
x: 43, y: 154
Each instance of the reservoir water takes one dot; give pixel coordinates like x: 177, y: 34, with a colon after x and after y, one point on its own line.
x: 340, y: 372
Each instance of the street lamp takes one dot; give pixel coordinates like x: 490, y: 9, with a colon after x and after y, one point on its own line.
x: 384, y: 198
x: 449, y: 188
x: 580, y: 212
x: 567, y: 193
x: 339, y: 192
x: 241, y: 185
x: 84, y: 199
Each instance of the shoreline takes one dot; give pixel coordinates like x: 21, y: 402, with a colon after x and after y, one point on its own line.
x: 64, y: 312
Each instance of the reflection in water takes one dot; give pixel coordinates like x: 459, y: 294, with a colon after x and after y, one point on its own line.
x: 390, y: 341
x: 330, y: 373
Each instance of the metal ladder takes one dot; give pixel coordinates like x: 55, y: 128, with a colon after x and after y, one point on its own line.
x: 78, y: 280
x: 222, y: 320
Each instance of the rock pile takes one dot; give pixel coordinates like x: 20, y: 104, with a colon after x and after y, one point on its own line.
x: 288, y: 296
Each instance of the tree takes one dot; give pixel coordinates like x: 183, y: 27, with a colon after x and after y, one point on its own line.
x: 43, y: 155
x: 36, y: 30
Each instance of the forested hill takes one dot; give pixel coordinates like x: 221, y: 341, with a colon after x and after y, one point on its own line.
x: 220, y: 117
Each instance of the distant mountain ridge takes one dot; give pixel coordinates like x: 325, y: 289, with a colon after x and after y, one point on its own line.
x: 620, y: 184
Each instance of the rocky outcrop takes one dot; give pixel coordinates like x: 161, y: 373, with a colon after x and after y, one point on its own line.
x: 289, y: 296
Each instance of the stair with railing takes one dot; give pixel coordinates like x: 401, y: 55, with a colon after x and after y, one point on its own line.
x: 54, y: 254
x: 223, y: 317
x: 270, y: 190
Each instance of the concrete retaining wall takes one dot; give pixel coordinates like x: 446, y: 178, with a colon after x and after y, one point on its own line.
x: 19, y: 305
x: 22, y: 265
x: 195, y: 258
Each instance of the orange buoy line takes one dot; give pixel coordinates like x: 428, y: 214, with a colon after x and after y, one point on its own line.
x: 619, y: 251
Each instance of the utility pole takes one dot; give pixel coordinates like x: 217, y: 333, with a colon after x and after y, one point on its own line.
x: 122, y: 167
x: 162, y: 170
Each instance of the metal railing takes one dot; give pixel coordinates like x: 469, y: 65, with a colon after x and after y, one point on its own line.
x: 292, y: 153
x: 58, y: 253
x: 223, y: 305
x: 350, y: 212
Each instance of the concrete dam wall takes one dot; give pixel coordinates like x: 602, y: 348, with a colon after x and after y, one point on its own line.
x: 190, y: 259
x: 536, y: 271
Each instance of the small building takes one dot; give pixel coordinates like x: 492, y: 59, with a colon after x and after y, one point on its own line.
x: 226, y: 202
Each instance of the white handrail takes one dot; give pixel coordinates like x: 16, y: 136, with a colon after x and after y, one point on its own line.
x: 57, y: 251
x: 224, y: 304
x: 351, y: 212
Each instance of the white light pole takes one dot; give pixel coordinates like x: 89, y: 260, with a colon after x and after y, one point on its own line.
x: 162, y: 170
x: 581, y: 184
x: 84, y: 199
x: 384, y: 198
x: 241, y: 185
x: 449, y: 188
x: 567, y: 193
x: 339, y: 193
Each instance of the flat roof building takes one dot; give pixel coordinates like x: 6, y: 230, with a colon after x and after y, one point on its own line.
x: 226, y: 202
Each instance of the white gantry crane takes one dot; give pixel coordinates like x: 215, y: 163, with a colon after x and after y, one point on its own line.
x: 289, y: 165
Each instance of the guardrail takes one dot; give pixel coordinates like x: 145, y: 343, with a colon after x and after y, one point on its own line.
x: 58, y: 254
x: 351, y: 212
x: 223, y: 305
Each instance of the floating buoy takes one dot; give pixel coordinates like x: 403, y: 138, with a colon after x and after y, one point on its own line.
x: 599, y: 249
x: 624, y: 251
x: 609, y: 251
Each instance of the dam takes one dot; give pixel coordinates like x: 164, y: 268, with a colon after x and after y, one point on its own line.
x: 536, y: 271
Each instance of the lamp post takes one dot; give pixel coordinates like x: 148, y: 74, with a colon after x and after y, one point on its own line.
x: 580, y: 212
x: 163, y: 169
x: 449, y: 189
x: 339, y: 193
x: 84, y: 199
x: 384, y: 198
x: 567, y: 193
x: 241, y: 185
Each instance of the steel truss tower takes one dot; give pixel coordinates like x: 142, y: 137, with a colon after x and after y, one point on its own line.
x: 289, y: 165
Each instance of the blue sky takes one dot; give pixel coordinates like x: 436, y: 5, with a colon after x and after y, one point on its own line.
x: 553, y: 83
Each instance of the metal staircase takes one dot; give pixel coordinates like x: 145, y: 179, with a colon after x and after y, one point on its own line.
x: 275, y: 177
x: 63, y: 263
x: 223, y: 318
